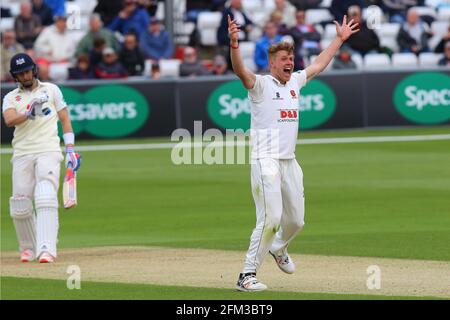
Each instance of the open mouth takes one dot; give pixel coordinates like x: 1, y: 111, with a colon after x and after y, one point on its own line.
x: 287, y: 71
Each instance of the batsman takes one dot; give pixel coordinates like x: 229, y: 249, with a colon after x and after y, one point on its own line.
x: 34, y: 108
x: 276, y: 177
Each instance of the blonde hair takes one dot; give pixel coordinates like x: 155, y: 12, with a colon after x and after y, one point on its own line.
x: 280, y: 46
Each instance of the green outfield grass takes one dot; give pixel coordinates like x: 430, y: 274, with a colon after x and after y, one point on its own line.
x: 20, y: 288
x: 364, y: 199
x: 387, y: 199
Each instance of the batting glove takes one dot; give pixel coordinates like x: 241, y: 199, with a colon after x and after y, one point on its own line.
x: 73, y: 159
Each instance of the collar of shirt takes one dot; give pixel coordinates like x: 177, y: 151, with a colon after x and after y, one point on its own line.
x: 277, y: 82
x: 39, y: 84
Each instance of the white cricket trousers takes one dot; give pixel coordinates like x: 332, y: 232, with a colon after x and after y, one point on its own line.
x: 35, y: 178
x: 277, y: 187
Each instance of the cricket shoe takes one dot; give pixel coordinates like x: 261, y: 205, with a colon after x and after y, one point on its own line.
x: 284, y: 261
x: 27, y: 255
x: 46, y: 258
x: 248, y: 283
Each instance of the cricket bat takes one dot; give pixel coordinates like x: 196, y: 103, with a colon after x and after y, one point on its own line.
x: 70, y: 189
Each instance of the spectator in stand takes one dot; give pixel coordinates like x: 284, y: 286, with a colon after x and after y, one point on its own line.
x: 149, y: 5
x: 82, y: 70
x: 43, y: 11
x: 96, y: 31
x: 288, y: 12
x: 220, y: 66
x: 55, y: 43
x: 236, y: 13
x: 306, y: 4
x: 339, y: 8
x: 130, y: 18
x: 277, y: 17
x: 366, y: 40
x: 8, y: 49
x: 110, y: 67
x: 306, y: 40
x: 396, y: 9
x: 27, y: 25
x: 155, y: 42
x: 344, y: 60
x: 57, y: 6
x: 270, y: 37
x: 191, y: 66
x: 96, y: 53
x: 108, y: 10
x: 446, y: 37
x: 131, y: 56
x: 414, y: 34
x: 445, y: 61
x: 155, y: 71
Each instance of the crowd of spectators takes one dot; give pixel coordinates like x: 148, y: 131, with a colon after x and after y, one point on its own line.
x: 124, y: 34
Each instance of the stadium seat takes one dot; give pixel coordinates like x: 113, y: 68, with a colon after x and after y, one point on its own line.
x: 324, y: 43
x: 373, y: 14
x: 429, y: 59
x: 169, y: 67
x: 207, y: 24
x: 444, y: 14
x: 376, y: 61
x: 59, y: 71
x: 319, y: 28
x: 6, y: 24
x: 330, y: 31
x: 358, y: 60
x: 314, y: 16
x: 250, y: 6
x: 404, y: 60
x: 147, y: 68
x: 440, y: 27
x: 250, y: 63
x: 258, y: 18
x: 247, y: 49
x: 255, y: 34
x: 325, y: 3
x: 159, y: 14
x: 77, y: 35
x: 387, y: 33
x: 14, y: 7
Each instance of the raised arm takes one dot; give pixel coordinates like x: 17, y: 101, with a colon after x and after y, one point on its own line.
x: 343, y: 32
x: 247, y: 77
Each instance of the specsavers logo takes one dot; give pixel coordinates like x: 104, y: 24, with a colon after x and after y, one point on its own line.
x: 317, y: 104
x: 424, y: 98
x: 228, y: 106
x: 108, y: 111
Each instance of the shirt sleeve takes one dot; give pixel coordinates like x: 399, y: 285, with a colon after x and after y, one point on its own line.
x: 58, y: 99
x: 6, y: 103
x: 256, y: 93
x: 301, y: 78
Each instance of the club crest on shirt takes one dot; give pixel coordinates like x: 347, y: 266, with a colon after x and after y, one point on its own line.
x: 293, y: 94
x: 18, y: 98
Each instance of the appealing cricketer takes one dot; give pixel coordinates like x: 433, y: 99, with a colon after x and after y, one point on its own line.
x: 276, y: 177
x: 34, y: 108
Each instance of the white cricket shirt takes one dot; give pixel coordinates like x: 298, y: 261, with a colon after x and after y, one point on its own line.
x: 41, y: 134
x: 275, y: 116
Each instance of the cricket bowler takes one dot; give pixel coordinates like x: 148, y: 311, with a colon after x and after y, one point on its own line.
x: 276, y: 177
x: 34, y: 108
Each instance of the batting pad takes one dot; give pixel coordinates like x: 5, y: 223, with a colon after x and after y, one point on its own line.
x: 21, y: 210
x: 46, y: 204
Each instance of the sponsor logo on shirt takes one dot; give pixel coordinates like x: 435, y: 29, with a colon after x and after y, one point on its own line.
x: 288, y: 115
x: 293, y: 94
